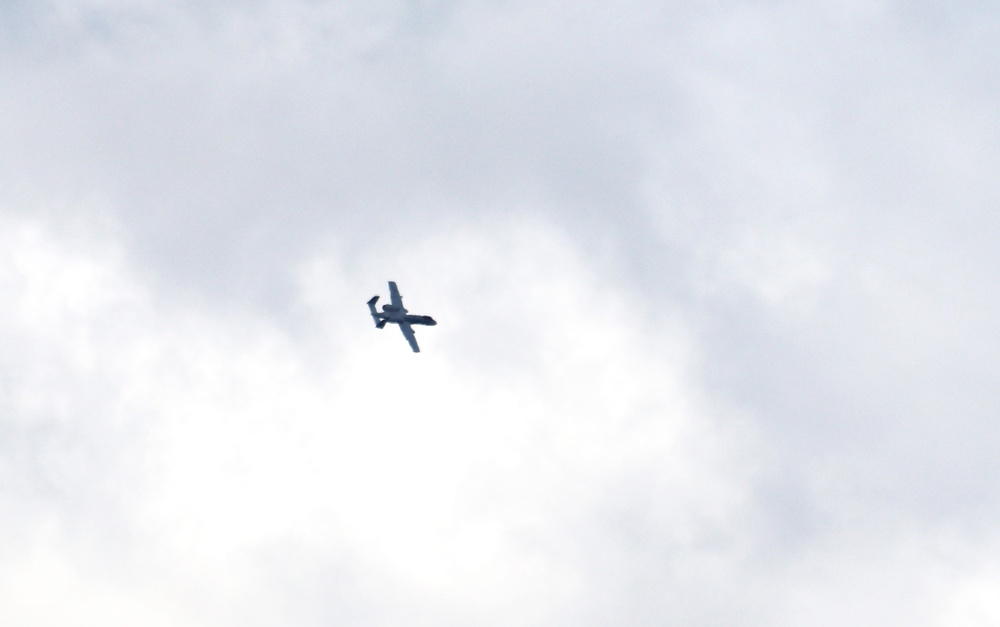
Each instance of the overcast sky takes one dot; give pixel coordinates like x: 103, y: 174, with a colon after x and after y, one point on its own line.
x: 717, y: 287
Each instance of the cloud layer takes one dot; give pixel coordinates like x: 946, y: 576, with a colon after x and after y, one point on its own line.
x: 715, y: 287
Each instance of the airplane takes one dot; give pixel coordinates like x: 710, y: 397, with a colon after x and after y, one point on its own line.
x: 395, y: 313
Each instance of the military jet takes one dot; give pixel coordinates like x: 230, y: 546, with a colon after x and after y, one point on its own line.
x: 395, y: 313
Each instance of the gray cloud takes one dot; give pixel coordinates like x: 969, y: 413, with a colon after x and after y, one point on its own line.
x: 716, y: 287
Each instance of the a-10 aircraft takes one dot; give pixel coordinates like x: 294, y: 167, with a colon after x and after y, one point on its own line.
x: 395, y: 313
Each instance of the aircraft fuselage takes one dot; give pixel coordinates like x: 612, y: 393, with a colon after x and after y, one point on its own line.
x: 399, y: 314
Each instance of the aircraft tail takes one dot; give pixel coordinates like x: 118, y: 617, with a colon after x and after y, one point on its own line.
x: 371, y: 307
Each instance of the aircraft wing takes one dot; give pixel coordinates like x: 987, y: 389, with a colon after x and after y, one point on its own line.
x: 409, y: 335
x: 396, y: 299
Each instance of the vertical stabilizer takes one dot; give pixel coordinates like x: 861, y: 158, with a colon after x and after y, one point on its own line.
x: 371, y: 308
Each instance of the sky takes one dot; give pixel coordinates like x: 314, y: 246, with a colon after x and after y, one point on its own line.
x: 716, y: 288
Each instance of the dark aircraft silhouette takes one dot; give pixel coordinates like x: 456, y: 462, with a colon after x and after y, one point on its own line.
x: 395, y: 313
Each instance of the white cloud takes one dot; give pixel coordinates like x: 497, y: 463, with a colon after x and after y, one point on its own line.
x: 456, y: 477
x: 715, y: 289
x: 974, y: 603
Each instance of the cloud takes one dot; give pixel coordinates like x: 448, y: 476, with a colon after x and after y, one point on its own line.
x: 212, y: 443
x: 715, y: 286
